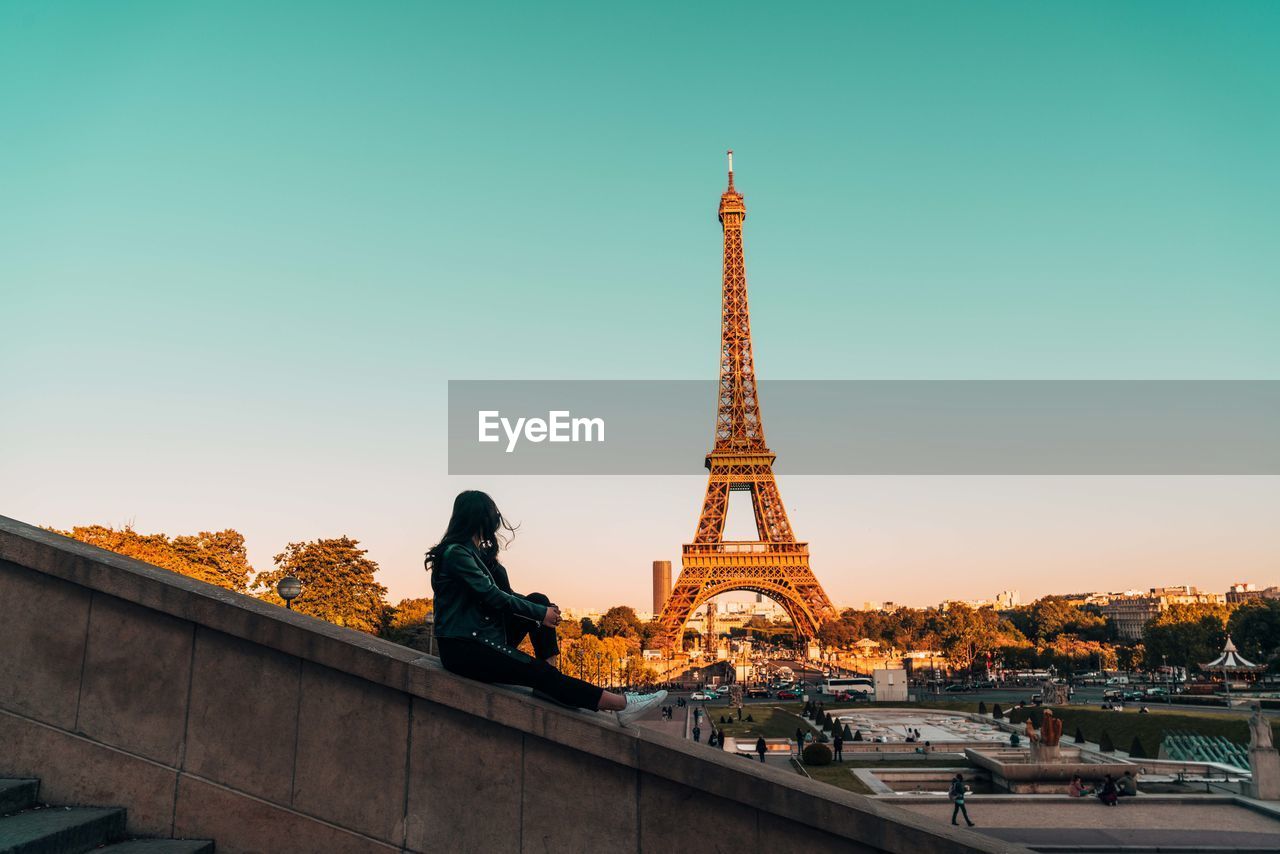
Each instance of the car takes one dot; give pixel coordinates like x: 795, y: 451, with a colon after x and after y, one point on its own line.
x: 788, y: 695
x: 951, y: 689
x: 723, y: 689
x: 853, y: 696
x: 701, y: 695
x: 1133, y: 695
x: 757, y: 693
x: 1157, y: 692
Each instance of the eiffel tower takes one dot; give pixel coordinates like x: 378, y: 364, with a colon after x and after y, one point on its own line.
x: 774, y: 563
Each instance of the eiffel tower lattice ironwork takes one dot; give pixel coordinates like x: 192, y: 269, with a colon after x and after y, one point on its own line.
x: 773, y: 564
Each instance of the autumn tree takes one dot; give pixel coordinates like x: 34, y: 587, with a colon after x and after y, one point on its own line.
x: 967, y: 633
x: 213, y: 557
x: 1255, y: 629
x: 406, y: 624
x: 620, y: 620
x: 1186, y: 635
x: 1045, y: 619
x: 337, y: 583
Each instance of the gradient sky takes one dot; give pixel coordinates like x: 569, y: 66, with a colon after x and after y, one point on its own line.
x: 243, y: 246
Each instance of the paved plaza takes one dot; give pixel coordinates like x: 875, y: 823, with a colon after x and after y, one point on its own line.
x: 1142, y: 821
x: 891, y: 725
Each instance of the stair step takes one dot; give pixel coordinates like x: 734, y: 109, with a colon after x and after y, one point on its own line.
x: 59, y: 830
x: 160, y: 846
x: 17, y: 794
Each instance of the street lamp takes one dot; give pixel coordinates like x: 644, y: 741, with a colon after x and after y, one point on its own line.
x: 289, y: 588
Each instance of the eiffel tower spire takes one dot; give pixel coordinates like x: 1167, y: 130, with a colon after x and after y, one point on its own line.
x: 774, y: 563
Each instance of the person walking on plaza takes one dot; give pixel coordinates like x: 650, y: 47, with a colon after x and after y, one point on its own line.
x: 837, y: 746
x: 697, y: 733
x: 761, y: 747
x: 799, y: 741
x: 956, y: 794
x: 479, y: 621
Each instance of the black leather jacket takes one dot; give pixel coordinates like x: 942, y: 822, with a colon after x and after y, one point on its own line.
x: 472, y: 599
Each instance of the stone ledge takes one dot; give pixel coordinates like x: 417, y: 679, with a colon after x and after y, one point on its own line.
x: 770, y: 790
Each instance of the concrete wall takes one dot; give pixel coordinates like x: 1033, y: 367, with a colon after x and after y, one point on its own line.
x: 211, y: 714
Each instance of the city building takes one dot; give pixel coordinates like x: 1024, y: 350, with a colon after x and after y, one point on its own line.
x: 1130, y: 613
x: 1008, y: 599
x: 661, y: 584
x: 1239, y: 593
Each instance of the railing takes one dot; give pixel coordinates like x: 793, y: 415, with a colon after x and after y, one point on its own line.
x: 745, y: 548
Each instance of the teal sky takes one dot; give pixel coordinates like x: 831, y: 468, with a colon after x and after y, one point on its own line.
x: 244, y: 245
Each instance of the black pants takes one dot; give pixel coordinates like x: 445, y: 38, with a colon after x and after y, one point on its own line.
x: 959, y: 808
x: 509, y: 666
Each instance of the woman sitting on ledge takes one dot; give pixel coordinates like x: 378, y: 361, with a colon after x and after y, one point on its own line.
x: 479, y: 621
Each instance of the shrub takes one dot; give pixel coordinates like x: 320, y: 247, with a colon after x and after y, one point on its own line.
x: 848, y: 736
x: 982, y: 707
x: 1136, y: 750
x: 817, y: 754
x: 1079, y: 736
x: 997, y: 712
x: 1105, y: 744
x: 857, y: 736
x: 1014, y: 739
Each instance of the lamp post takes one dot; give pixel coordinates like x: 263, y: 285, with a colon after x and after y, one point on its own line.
x: 430, y: 623
x: 289, y: 589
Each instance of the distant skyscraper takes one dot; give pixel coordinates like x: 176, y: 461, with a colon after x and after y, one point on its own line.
x: 661, y: 584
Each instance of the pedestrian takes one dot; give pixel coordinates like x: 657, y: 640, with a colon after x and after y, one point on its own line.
x: 711, y: 739
x: 1078, y: 789
x: 697, y: 733
x: 1108, y: 793
x: 761, y: 747
x: 837, y: 745
x: 956, y: 794
x: 799, y: 740
x: 480, y: 621
x: 1126, y: 786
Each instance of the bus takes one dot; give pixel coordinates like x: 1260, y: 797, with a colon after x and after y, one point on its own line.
x: 848, y: 685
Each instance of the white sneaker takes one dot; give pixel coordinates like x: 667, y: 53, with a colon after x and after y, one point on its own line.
x: 638, y: 704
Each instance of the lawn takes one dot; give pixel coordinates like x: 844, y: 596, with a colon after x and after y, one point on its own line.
x: 1149, y: 728
x: 836, y: 775
x: 769, y: 721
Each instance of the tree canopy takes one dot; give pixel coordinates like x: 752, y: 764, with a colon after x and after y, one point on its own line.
x: 337, y: 583
x: 213, y: 557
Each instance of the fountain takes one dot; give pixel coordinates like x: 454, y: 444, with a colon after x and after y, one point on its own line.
x: 1045, y: 766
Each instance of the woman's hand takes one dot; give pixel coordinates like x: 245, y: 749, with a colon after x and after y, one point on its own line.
x: 552, y: 617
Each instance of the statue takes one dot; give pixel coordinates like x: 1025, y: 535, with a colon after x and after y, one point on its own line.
x: 1050, y: 729
x: 1044, y: 744
x: 1259, y: 730
x: 1264, y: 759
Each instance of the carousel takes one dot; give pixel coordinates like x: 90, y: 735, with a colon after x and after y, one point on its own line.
x: 1231, y: 662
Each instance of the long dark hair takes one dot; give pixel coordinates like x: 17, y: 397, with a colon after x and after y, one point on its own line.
x: 475, y: 516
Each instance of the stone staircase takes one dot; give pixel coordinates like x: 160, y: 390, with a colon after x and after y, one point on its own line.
x: 30, y: 827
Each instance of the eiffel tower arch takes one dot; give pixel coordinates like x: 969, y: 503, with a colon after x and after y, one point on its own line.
x: 774, y: 564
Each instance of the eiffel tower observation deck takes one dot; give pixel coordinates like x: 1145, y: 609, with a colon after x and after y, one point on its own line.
x: 774, y: 564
